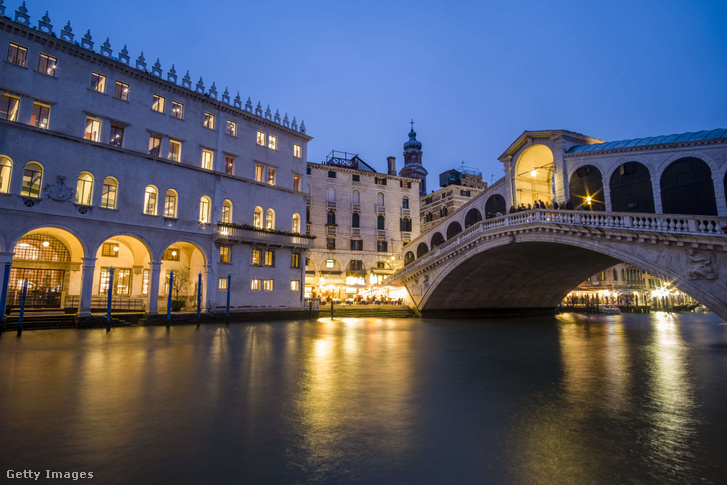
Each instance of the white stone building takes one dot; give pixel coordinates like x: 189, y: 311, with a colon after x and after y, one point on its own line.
x: 107, y: 162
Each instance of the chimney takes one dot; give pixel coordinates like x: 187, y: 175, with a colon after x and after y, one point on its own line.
x: 392, y: 165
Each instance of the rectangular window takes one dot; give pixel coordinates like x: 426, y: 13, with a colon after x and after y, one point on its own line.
x: 209, y: 121
x: 356, y: 245
x: 145, y: 282
x: 297, y: 151
x: 295, y: 260
x: 93, y: 129
x: 158, y: 103
x: 255, y: 285
x: 175, y: 150
x: 330, y: 264
x: 121, y: 283
x: 98, y: 82
x: 231, y: 128
x: 222, y: 283
x: 110, y: 250
x: 296, y: 182
x: 177, y: 110
x: 261, y: 138
x: 269, y: 258
x: 229, y: 165
x: 294, y: 285
x: 170, y: 204
x: 356, y: 178
x: 267, y: 285
x: 17, y: 54
x: 272, y: 142
x: 379, y: 181
x: 47, y: 65
x: 117, y: 136
x: 207, y: 159
x: 40, y: 115
x: 331, y: 174
x: 271, y: 176
x: 150, y: 201
x: 256, y: 257
x: 259, y: 169
x: 330, y: 243
x: 108, y: 195
x: 382, y: 246
x: 121, y: 91
x: 32, y: 177
x: 224, y: 254
x: 9, y: 106
x: 155, y: 145
x: 204, y: 210
x: 171, y: 254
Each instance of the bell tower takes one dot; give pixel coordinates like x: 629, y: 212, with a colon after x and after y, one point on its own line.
x: 413, y: 161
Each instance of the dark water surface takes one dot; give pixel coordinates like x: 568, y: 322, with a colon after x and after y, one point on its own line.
x: 556, y: 400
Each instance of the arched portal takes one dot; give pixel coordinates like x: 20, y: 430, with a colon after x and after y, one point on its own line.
x: 473, y: 216
x: 495, y: 203
x: 408, y: 258
x: 453, y: 229
x: 422, y: 250
x: 631, y: 189
x: 586, y: 189
x: 534, y: 175
x: 187, y: 260
x: 129, y: 257
x: 687, y: 188
x: 437, y: 240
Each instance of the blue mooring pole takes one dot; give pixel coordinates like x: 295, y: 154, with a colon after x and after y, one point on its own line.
x: 199, y: 296
x: 4, y: 295
x: 169, y: 297
x: 227, y: 312
x: 22, y: 306
x: 110, y: 291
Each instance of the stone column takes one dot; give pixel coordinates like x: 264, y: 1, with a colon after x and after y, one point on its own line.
x: 87, y: 269
x: 154, y: 271
x: 6, y: 258
x: 208, y: 289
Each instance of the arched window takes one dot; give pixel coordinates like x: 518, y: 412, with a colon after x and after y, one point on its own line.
x: 150, y: 200
x: 204, y: 210
x: 422, y: 250
x: 586, y: 189
x: 296, y: 223
x: 32, y: 180
x: 437, y: 240
x: 381, y: 222
x: 226, y: 212
x: 631, y: 189
x: 84, y: 189
x: 453, y: 229
x: 405, y: 203
x: 687, y: 188
x: 495, y: 203
x: 380, y: 199
x: 170, y: 204
x: 6, y: 170
x: 270, y: 220
x: 443, y: 212
x: 355, y: 220
x: 331, y: 193
x: 356, y: 197
x: 473, y: 216
x: 109, y: 192
x: 430, y: 217
x: 331, y: 219
x: 408, y: 258
x: 257, y: 220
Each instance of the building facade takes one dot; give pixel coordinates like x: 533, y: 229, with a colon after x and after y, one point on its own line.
x: 361, y: 219
x: 114, y: 174
x: 443, y: 202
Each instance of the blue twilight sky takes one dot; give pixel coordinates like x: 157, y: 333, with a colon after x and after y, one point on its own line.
x: 472, y: 74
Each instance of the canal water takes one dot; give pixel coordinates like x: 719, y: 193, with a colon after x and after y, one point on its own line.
x: 568, y: 399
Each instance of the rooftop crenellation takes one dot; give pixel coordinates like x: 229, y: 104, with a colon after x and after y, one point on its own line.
x: 86, y: 42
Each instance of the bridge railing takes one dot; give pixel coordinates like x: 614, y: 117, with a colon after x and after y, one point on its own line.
x: 629, y: 221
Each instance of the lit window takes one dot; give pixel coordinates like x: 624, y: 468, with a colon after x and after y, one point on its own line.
x: 297, y: 151
x: 145, y: 282
x: 47, y: 65
x: 255, y: 285
x: 270, y: 220
x: 261, y: 138
x: 207, y: 159
x: 110, y: 250
x: 267, y: 285
x: 84, y: 189
x: 108, y: 194
x: 296, y: 223
x: 209, y: 121
x: 117, y: 136
x: 330, y: 264
x: 39, y: 116
x: 155, y: 145
x: 158, y: 104
x: 294, y: 285
x: 224, y: 254
x: 32, y: 179
x: 269, y: 258
x: 256, y: 257
x: 93, y: 129
x: 170, y: 204
x: 229, y: 165
x: 9, y: 106
x: 121, y: 91
x: 222, y: 283
x: 296, y: 182
x: 271, y: 176
x: 17, y: 54
x: 150, y: 201
x: 6, y: 170
x: 273, y: 142
x: 204, y: 210
x: 259, y: 169
x: 231, y: 128
x: 257, y: 221
x: 177, y: 110
x: 175, y: 150
x: 295, y: 260
x: 171, y: 254
x: 226, y: 212
x: 98, y: 82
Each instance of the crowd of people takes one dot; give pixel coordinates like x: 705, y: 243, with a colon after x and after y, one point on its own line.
x: 539, y: 204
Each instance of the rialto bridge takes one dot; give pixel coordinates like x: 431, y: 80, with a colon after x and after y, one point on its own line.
x: 652, y: 202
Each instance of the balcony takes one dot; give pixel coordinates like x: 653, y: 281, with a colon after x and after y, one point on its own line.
x: 355, y: 207
x: 381, y: 233
x: 331, y: 204
x: 227, y: 235
x: 381, y: 209
x: 331, y: 230
x: 405, y: 212
x: 356, y: 231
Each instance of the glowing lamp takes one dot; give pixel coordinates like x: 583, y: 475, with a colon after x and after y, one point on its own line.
x: 534, y: 173
x: 46, y: 244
